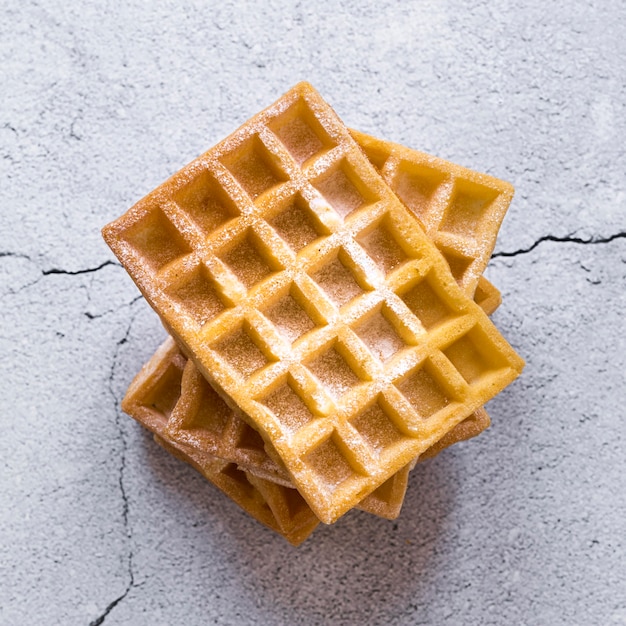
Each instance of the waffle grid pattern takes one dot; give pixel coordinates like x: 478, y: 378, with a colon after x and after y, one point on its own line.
x: 202, y: 420
x: 461, y: 210
x: 224, y: 290
x: 171, y: 398
x: 152, y: 398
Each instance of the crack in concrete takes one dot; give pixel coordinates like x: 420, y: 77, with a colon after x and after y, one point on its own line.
x: 92, y: 316
x: 566, y: 239
x: 100, y: 619
x: 54, y: 270
x: 122, y: 469
x: 15, y: 255
x: 88, y: 270
x: 10, y: 127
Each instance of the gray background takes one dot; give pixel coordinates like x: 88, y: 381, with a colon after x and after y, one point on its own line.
x: 100, y: 103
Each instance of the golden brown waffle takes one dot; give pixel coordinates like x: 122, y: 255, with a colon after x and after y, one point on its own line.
x: 151, y: 398
x: 299, y: 284
x: 202, y: 420
x: 487, y: 296
x: 461, y: 210
x: 170, y: 387
x: 228, y: 437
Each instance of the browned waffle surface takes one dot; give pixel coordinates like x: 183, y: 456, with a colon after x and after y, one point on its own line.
x: 151, y: 399
x: 347, y: 343
x: 487, y: 296
x: 461, y: 210
x: 202, y: 420
x: 200, y: 427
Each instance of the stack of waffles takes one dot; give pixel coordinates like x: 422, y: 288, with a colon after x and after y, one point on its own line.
x: 327, y: 313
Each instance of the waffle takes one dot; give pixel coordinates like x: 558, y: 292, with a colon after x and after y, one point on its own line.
x: 151, y: 399
x: 234, y: 436
x: 310, y: 301
x: 202, y: 420
x: 461, y: 210
x: 229, y: 437
x: 199, y: 424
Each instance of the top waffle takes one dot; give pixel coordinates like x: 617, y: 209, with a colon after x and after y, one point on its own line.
x: 460, y: 210
x: 302, y: 289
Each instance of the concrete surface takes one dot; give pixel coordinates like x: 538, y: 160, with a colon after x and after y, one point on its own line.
x: 101, y: 102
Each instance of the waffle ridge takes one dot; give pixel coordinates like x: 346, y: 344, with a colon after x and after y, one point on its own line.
x: 170, y: 398
x: 376, y: 263
x: 153, y: 397
x: 461, y: 210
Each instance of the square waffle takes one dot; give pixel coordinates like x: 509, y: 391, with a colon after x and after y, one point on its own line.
x: 274, y: 316
x: 460, y: 210
x: 151, y: 399
x: 204, y: 421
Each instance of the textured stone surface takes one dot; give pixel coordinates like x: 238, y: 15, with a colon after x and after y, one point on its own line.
x: 526, y: 524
